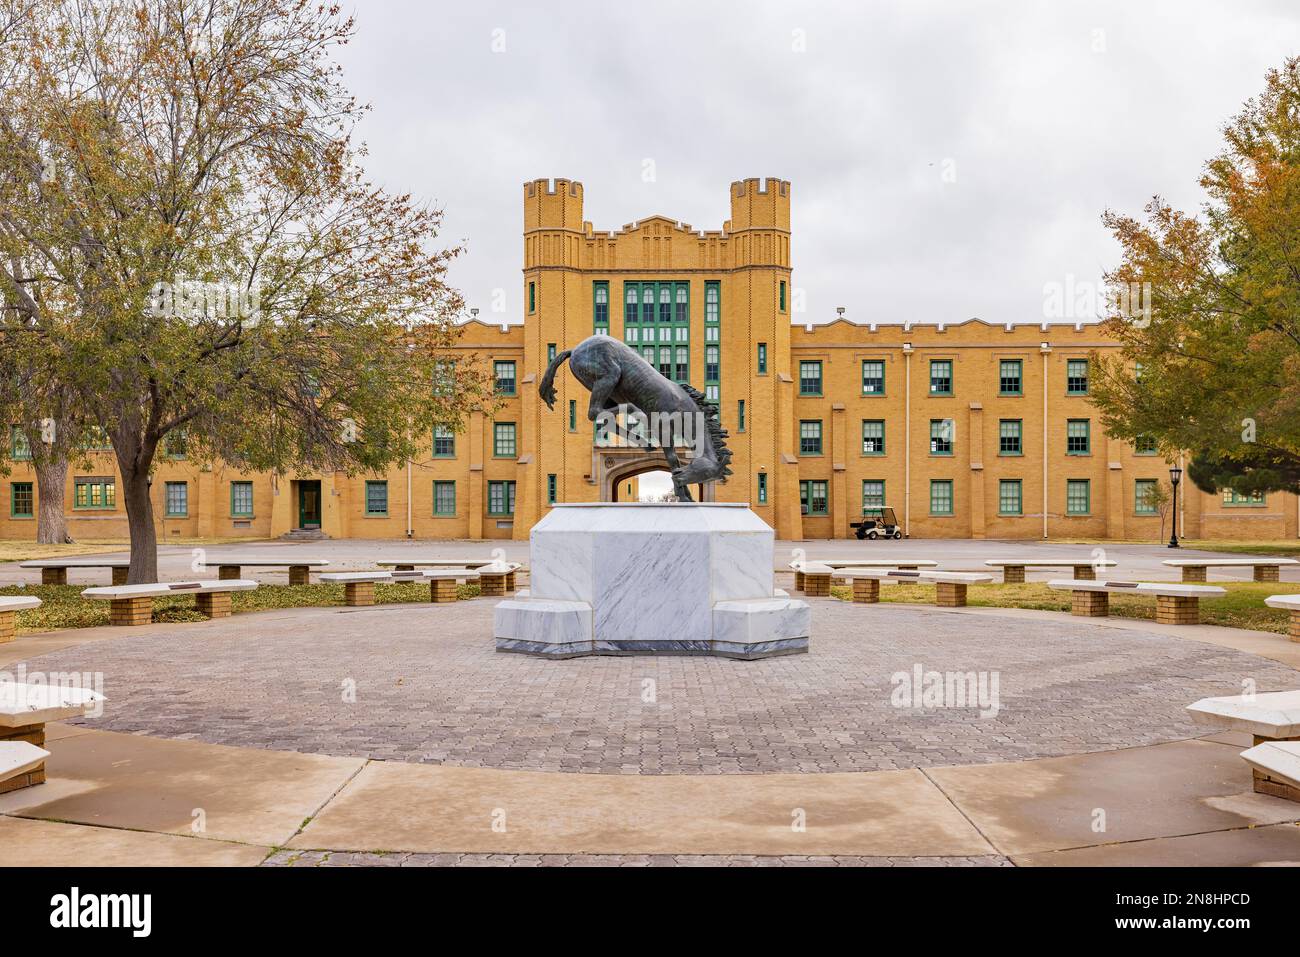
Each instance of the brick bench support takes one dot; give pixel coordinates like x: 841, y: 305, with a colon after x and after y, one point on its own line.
x: 798, y: 581
x: 866, y: 590
x: 950, y: 594
x: 1195, y: 573
x: 1090, y: 604
x: 299, y: 575
x: 1085, y: 573
x: 1268, y: 573
x: 1264, y: 783
x: 492, y: 584
x: 1177, y: 610
x: 228, y: 572
x: 32, y: 734
x: 1294, y: 633
x: 54, y: 576
x: 1013, y: 574
x: 120, y: 575
x: 444, y: 589
x: 131, y: 611
x: 817, y: 586
x: 213, y: 604
x: 9, y: 630
x: 358, y: 594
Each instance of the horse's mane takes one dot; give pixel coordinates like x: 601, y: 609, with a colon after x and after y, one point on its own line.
x: 713, y: 418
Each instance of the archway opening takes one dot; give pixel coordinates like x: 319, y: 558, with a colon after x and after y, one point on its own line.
x: 654, y: 487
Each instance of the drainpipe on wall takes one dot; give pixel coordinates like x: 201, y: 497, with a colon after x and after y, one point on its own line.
x: 907, y: 446
x: 1045, y: 349
x: 410, y: 530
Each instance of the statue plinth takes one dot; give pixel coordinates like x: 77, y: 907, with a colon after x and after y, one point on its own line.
x: 640, y: 578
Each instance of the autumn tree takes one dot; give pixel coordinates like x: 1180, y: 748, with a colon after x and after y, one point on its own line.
x: 189, y: 244
x: 1208, y: 313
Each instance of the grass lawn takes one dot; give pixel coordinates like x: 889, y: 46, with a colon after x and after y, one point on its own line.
x: 1278, y: 548
x: 1242, y: 607
x: 63, y: 607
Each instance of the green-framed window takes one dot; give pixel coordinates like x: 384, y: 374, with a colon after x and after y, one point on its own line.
x: 573, y: 415
x: 22, y: 500
x: 810, y: 437
x: 505, y: 375
x: 552, y: 488
x: 444, y: 442
x: 873, y: 377
x: 376, y: 497
x: 94, y: 493
x: 503, y: 440
x: 656, y: 323
x: 873, y: 497
x: 940, y: 496
x: 444, y: 377
x: 532, y: 297
x: 1234, y: 499
x: 599, y: 310
x: 712, y: 371
x: 873, y: 436
x: 1146, y: 445
x: 444, y: 498
x: 813, y: 499
x: 550, y: 352
x: 1078, y: 437
x: 781, y: 297
x: 810, y: 377
x: 762, y: 488
x: 1078, y: 496
x: 1076, y: 377
x: 501, y: 498
x: 1010, y: 378
x: 740, y: 415
x: 176, y: 499
x: 1010, y: 439
x: 1144, y: 492
x: 20, y: 450
x: 1009, y: 498
x: 941, y: 436
x: 712, y: 303
x: 762, y: 358
x: 177, y: 444
x: 941, y: 377
x: 241, y: 499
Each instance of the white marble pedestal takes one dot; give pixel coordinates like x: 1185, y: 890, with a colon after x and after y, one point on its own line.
x: 642, y: 578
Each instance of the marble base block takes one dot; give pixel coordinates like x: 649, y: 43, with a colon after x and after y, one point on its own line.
x: 634, y: 578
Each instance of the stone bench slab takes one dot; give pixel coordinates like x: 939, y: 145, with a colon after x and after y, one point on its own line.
x: 158, y: 589
x: 223, y: 561
x: 1168, y: 589
x: 1039, y: 563
x: 18, y: 602
x: 20, y: 757
x: 1287, y: 602
x: 1273, y: 714
x: 74, y: 563
x: 1226, y: 562
x: 962, y: 578
x: 23, y: 704
x: 1276, y: 759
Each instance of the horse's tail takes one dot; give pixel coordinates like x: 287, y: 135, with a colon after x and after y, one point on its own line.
x: 713, y: 421
x: 546, y: 389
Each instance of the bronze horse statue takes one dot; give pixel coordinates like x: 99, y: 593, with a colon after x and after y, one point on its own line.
x: 618, y: 377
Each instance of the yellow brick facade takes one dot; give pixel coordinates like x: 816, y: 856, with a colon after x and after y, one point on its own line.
x: 741, y: 274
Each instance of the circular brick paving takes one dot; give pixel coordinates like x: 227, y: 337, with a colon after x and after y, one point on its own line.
x: 429, y: 687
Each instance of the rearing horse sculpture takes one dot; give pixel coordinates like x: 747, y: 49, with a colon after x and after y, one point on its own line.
x: 617, y: 376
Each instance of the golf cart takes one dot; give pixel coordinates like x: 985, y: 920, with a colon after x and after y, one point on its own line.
x: 883, y: 523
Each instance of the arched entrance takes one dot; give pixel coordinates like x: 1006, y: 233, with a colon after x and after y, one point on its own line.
x: 615, y: 466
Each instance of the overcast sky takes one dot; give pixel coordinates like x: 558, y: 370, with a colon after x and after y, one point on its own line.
x: 947, y: 159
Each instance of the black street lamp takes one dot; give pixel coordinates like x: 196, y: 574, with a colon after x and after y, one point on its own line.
x: 1175, y: 476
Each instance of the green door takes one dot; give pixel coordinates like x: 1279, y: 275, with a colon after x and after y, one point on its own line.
x: 309, y: 504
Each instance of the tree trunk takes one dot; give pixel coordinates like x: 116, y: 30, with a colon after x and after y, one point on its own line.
x: 51, y: 483
x: 139, y: 522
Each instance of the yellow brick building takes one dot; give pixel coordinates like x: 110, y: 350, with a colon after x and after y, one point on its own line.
x: 968, y: 430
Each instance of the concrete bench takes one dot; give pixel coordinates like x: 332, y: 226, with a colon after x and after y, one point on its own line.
x: 1289, y: 602
x: 1175, y: 604
x: 949, y: 587
x: 812, y: 578
x: 409, y: 564
x: 230, y: 568
x: 10, y: 605
x: 1013, y: 569
x: 24, y: 711
x: 54, y: 571
x: 1196, y: 569
x: 359, y: 587
x: 1269, y: 718
x: 18, y: 762
x: 133, y: 604
x: 497, y: 579
x: 838, y: 563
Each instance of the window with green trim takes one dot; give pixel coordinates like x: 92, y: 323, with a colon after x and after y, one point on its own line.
x: 873, y: 497
x: 810, y: 377
x: 1144, y: 493
x: 1009, y: 377
x: 505, y: 376
x: 782, y: 296
x: 1078, y: 496
x: 873, y: 377
x: 241, y: 499
x: 1233, y: 498
x: 1076, y: 377
x: 873, y: 436
x: 810, y: 437
x: 740, y: 415
x: 941, y: 377
x: 501, y: 498
x: 813, y: 499
x: 20, y: 450
x: 444, y: 498
x: 532, y: 297
x: 377, y: 497
x: 444, y: 442
x: 1146, y: 445
x: 656, y: 322
x: 176, y: 499
x: 1009, y: 437
x: 573, y: 415
x: 177, y: 444
x: 712, y: 370
x: 599, y: 309
x: 550, y: 352
x: 1009, y: 500
x: 503, y: 440
x: 941, y: 431
x: 552, y: 488
x: 94, y: 493
x: 1078, y: 439
x: 22, y: 500
x: 762, y: 488
x: 762, y: 358
x: 940, y: 496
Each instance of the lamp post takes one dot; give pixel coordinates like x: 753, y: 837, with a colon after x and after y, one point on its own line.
x: 1175, y: 476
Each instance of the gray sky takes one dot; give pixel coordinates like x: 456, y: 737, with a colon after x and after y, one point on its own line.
x: 1042, y: 114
